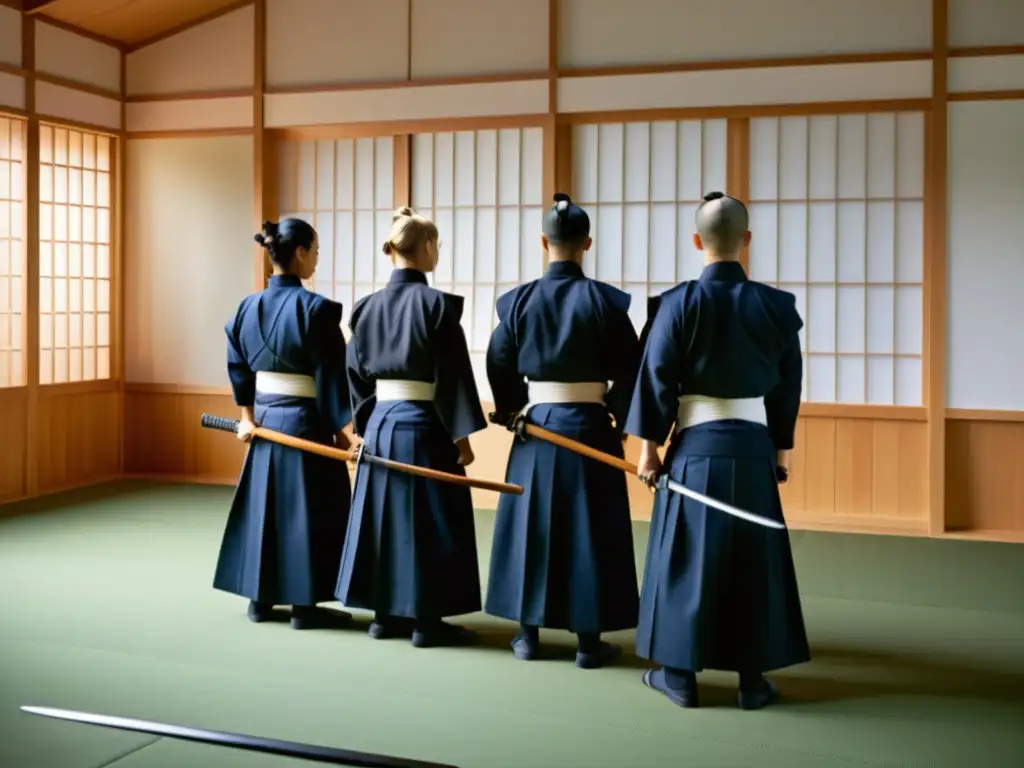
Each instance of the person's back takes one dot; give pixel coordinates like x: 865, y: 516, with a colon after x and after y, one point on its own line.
x: 722, y: 370
x: 562, y: 553
x: 741, y: 344
x: 410, y: 332
x: 283, y: 334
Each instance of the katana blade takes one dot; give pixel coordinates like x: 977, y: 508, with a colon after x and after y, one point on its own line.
x: 671, y: 485
x: 242, y: 741
x: 532, y: 430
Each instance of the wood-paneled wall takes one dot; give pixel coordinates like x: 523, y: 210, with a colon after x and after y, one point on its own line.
x: 908, y: 470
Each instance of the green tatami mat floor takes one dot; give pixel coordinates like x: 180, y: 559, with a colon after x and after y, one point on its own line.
x: 107, y: 607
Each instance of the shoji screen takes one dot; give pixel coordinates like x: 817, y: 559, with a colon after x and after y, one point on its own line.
x: 75, y: 189
x: 837, y: 216
x: 483, y: 189
x: 12, y: 250
x: 345, y: 189
x: 641, y: 183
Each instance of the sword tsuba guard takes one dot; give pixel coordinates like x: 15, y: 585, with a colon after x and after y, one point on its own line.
x: 518, y: 427
x: 662, y: 482
x: 359, y: 454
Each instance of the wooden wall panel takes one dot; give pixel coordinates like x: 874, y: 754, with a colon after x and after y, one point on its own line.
x: 985, y: 476
x: 163, y: 436
x: 14, y: 413
x: 858, y: 474
x: 77, y: 437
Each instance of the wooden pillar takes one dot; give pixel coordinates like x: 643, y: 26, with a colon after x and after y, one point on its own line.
x: 737, y: 169
x: 264, y: 178
x: 31, y: 255
x: 934, y: 363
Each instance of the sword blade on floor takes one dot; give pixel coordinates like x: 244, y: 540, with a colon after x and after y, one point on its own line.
x: 235, y: 740
x: 358, y: 456
x: 664, y: 482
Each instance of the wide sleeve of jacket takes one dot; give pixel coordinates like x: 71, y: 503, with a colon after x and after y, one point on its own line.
x: 240, y: 375
x: 655, y: 401
x: 456, y: 398
x: 622, y: 350
x: 361, y: 385
x: 507, y: 385
x: 329, y: 357
x: 782, y: 404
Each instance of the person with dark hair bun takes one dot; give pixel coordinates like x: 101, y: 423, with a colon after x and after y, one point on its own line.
x: 562, y: 555
x: 286, y: 364
x: 721, y: 377
x: 410, y: 552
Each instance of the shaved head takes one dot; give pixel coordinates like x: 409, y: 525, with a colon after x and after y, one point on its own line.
x: 722, y: 223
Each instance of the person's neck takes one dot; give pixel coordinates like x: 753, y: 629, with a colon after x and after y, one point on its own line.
x: 573, y: 258
x: 403, y: 263
x: 714, y: 258
x: 278, y: 272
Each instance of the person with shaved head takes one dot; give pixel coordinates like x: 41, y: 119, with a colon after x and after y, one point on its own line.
x: 722, y: 372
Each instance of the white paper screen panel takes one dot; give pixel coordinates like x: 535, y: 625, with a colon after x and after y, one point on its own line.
x: 483, y: 190
x: 75, y: 240
x: 837, y: 216
x: 12, y: 252
x: 345, y: 189
x: 641, y: 184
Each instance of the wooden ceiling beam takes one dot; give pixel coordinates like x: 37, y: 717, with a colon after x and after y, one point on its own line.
x: 36, y: 6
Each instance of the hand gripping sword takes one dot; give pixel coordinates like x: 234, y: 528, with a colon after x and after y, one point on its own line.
x: 358, y: 456
x: 522, y: 428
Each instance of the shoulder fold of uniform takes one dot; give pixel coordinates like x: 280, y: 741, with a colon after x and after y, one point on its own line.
x: 617, y: 297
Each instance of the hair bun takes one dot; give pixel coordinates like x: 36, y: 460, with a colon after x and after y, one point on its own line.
x: 562, y: 202
x: 713, y: 196
x: 401, y: 213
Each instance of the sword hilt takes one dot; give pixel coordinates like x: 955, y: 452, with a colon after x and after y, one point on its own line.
x: 209, y: 421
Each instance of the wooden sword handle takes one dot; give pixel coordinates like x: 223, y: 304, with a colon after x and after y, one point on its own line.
x: 581, y: 448
x: 231, y: 425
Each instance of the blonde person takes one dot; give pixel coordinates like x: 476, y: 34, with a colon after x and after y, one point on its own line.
x: 410, y: 551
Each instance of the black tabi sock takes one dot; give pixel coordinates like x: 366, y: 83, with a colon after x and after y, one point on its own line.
x: 530, y: 634
x: 589, y: 642
x: 750, y: 681
x: 680, y: 679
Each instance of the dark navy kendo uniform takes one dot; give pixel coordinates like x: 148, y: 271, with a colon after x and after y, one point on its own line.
x: 286, y: 359
x: 410, y: 552
x: 721, y: 362
x: 562, y: 555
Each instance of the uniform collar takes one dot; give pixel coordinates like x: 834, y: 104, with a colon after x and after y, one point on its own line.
x: 284, y: 281
x: 407, y: 276
x: 724, y: 271
x: 564, y: 269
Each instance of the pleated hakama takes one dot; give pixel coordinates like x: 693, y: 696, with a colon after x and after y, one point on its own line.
x: 562, y: 555
x: 283, y: 540
x: 720, y: 592
x: 410, y: 549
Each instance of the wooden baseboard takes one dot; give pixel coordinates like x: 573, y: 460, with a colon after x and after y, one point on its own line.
x: 853, y: 470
